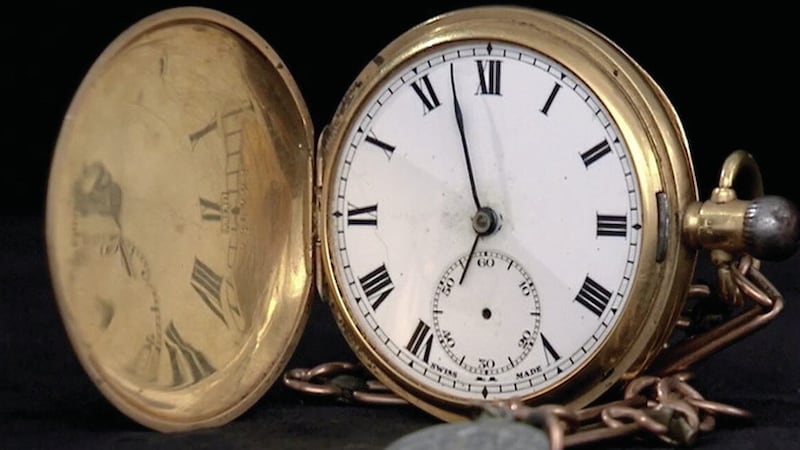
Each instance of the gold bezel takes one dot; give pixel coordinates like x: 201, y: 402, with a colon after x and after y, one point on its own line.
x: 652, y: 132
x: 283, y: 253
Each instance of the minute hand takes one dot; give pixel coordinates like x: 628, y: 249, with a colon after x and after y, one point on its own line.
x: 460, y: 123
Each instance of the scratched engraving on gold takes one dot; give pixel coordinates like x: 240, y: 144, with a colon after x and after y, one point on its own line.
x: 204, y: 218
x: 177, y: 214
x: 107, y: 306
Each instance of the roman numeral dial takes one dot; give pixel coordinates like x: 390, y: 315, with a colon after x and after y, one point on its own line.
x: 496, y: 159
x: 387, y: 148
x: 489, y: 76
x: 427, y: 95
x: 550, y: 353
x: 377, y: 286
x: 594, y: 154
x: 612, y: 225
x: 421, y: 341
x: 593, y: 296
x: 363, y: 215
x: 550, y: 99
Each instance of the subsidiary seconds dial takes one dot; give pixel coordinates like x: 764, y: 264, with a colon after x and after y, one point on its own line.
x: 489, y: 323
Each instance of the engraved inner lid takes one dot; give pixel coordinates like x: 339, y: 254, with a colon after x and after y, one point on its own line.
x: 179, y: 219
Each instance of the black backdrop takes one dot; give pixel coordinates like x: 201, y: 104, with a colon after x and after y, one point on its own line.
x: 726, y: 70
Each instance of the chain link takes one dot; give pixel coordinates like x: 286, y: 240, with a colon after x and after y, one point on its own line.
x: 765, y: 304
x: 664, y: 405
x: 344, y: 381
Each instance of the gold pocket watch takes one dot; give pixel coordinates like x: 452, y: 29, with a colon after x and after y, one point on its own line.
x: 502, y: 208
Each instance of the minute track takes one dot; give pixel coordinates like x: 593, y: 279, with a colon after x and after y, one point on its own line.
x: 419, y: 154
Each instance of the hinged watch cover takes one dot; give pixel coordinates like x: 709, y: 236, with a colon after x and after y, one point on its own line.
x: 179, y: 219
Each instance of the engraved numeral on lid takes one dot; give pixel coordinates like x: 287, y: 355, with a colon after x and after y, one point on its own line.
x: 188, y: 364
x: 209, y: 286
x: 210, y: 210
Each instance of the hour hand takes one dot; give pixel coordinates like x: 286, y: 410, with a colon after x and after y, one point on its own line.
x: 484, y: 223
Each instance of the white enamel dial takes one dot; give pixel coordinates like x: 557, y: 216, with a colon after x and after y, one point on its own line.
x: 538, y: 151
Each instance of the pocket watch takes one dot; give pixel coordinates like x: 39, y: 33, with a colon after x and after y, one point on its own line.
x: 503, y: 207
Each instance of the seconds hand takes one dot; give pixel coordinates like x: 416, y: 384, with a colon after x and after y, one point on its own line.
x: 485, y: 220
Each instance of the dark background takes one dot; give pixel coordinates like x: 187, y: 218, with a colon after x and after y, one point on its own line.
x: 727, y: 71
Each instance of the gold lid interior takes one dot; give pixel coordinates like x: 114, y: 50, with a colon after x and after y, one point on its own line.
x: 179, y: 219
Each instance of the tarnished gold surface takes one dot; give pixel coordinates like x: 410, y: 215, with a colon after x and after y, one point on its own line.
x: 652, y: 132
x: 179, y: 219
x: 718, y: 223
